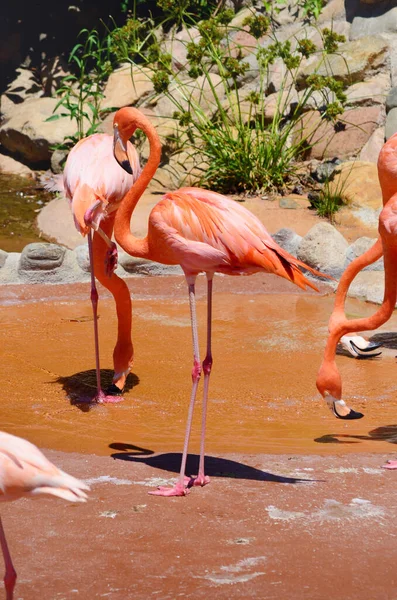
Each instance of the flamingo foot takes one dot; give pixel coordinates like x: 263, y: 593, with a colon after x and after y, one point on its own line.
x: 178, y: 490
x: 111, y: 259
x: 391, y: 465
x: 200, y: 480
x: 100, y: 398
x: 107, y: 398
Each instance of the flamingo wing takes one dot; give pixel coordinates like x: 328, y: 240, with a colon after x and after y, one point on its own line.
x: 209, y: 231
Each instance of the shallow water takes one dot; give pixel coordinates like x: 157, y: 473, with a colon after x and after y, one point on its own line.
x: 267, y: 349
x: 20, y: 202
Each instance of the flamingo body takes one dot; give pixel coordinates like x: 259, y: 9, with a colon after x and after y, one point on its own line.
x: 94, y: 184
x: 206, y: 231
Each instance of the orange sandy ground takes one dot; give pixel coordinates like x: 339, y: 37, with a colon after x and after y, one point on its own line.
x: 260, y: 529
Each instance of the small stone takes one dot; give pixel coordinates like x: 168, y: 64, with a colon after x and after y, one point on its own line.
x: 324, y: 170
x: 41, y: 257
x: 288, y: 203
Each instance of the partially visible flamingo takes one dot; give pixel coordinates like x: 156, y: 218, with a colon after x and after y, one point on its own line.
x: 201, y: 231
x: 26, y: 472
x: 95, y: 184
x: 328, y: 381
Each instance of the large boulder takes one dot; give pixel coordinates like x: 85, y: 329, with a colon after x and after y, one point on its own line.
x: 126, y: 86
x: 324, y: 248
x: 353, y: 62
x: 368, y: 25
x: 28, y: 135
x: 11, y: 166
x: 328, y: 140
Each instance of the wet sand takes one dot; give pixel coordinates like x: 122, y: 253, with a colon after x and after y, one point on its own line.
x: 266, y: 346
x: 260, y: 529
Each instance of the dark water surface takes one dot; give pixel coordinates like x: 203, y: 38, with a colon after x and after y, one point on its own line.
x: 21, y: 200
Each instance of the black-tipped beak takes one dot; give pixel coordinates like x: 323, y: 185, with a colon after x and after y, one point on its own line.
x: 366, y: 352
x: 120, y: 151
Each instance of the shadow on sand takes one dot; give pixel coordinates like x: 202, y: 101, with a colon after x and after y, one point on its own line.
x: 386, y: 433
x: 214, y: 466
x: 81, y: 388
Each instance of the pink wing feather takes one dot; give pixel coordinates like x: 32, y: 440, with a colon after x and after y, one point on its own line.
x: 210, y: 232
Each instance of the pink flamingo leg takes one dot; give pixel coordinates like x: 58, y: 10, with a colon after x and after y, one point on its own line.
x: 180, y: 488
x: 101, y: 397
x: 201, y: 478
x: 10, y: 576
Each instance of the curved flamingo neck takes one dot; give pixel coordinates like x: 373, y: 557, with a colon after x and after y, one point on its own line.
x: 131, y: 244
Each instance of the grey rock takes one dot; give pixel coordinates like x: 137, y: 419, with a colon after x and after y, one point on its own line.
x: 360, y: 246
x: 288, y: 240
x: 324, y: 170
x: 141, y: 266
x: 391, y: 123
x: 288, y: 203
x: 368, y: 286
x: 3, y: 258
x: 27, y: 133
x: 364, y: 26
x: 391, y: 100
x: 83, y: 258
x: 58, y: 159
x: 324, y: 248
x: 9, y: 271
x: 41, y: 257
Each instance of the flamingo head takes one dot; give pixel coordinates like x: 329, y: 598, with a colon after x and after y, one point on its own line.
x: 125, y: 122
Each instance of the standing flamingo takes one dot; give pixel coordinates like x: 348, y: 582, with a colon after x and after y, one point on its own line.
x: 328, y: 381
x: 201, y: 231
x: 24, y: 472
x: 95, y: 184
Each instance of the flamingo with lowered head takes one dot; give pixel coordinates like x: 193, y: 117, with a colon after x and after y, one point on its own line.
x: 95, y: 184
x: 329, y: 381
x: 26, y: 472
x: 202, y: 231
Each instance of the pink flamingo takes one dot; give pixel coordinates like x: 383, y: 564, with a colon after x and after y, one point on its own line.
x: 201, y: 231
x: 328, y: 381
x: 95, y: 184
x: 25, y: 472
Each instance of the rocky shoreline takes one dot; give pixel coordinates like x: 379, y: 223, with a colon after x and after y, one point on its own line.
x: 54, y: 264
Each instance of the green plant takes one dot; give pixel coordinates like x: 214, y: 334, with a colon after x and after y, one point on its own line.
x: 245, y: 145
x: 81, y: 91
x: 312, y: 8
x: 331, y: 196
